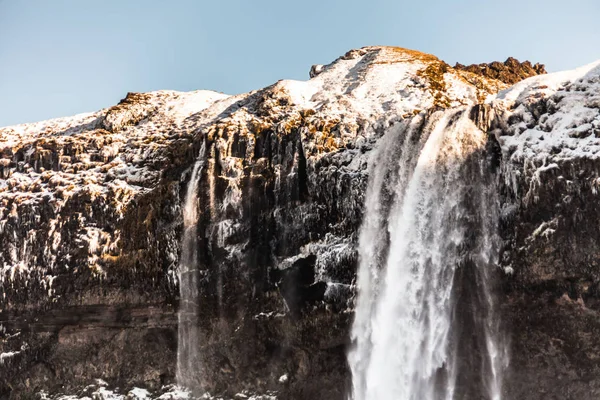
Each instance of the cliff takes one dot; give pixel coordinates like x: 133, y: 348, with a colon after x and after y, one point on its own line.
x: 91, y: 224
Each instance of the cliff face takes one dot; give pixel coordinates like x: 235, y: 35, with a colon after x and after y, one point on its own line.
x: 550, y: 224
x: 90, y: 228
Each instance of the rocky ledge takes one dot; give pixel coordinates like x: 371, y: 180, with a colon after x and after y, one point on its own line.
x: 510, y: 71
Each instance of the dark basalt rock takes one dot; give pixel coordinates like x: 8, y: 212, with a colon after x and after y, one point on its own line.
x: 510, y: 71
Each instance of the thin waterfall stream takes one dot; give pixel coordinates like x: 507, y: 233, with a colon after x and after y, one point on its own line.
x: 188, y: 356
x: 426, y: 324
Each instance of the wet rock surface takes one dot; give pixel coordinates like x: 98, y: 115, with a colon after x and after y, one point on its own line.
x: 90, y: 229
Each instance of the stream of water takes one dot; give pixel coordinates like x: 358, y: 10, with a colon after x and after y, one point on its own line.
x: 426, y: 324
x: 188, y: 352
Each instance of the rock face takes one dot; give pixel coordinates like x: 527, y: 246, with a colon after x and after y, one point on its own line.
x: 510, y: 72
x: 550, y: 223
x: 90, y: 228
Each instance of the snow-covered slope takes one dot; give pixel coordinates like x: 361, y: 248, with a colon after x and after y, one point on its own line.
x: 565, y: 125
x: 549, y: 122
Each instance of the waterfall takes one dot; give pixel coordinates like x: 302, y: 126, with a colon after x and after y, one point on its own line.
x: 188, y: 357
x: 426, y: 324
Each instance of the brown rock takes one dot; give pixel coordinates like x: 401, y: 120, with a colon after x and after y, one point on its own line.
x: 510, y: 72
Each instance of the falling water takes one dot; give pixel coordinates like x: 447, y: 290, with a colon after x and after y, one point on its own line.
x: 188, y: 357
x: 427, y: 250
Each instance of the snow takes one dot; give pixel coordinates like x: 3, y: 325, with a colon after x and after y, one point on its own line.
x: 555, y: 135
x: 545, y: 230
x: 268, y: 315
x: 544, y: 85
x: 113, y: 166
x: 375, y: 83
x: 174, y: 394
x: 102, y: 393
x: 99, y: 391
x: 137, y: 393
x: 556, y: 118
x: 11, y: 135
x: 7, y: 355
x: 187, y: 104
x: 10, y: 354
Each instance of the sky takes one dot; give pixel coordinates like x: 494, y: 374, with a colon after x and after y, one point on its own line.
x: 64, y: 57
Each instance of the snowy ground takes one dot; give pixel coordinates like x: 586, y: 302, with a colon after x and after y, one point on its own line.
x: 552, y: 120
x: 100, y: 391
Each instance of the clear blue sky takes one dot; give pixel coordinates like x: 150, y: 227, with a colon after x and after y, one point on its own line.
x: 61, y: 57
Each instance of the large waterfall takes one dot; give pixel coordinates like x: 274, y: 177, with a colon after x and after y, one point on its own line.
x: 188, y: 356
x: 426, y: 324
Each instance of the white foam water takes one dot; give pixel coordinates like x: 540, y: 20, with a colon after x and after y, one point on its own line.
x: 429, y: 212
x: 188, y: 356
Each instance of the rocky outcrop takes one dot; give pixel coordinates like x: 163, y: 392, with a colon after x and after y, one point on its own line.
x: 510, y: 71
x: 90, y: 228
x: 551, y: 227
